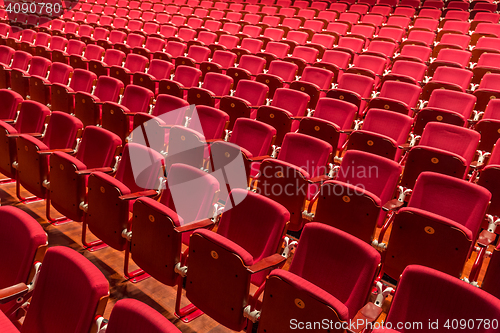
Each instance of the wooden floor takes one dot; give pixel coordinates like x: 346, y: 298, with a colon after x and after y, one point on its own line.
x: 110, y: 262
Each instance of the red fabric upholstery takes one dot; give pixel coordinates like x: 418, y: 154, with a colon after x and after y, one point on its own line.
x: 129, y: 315
x: 354, y: 270
x: 457, y: 140
x: 424, y: 295
x: 10, y: 102
x: 254, y: 136
x: 258, y: 236
x: 452, y: 198
x: 66, y: 294
x: 19, y: 240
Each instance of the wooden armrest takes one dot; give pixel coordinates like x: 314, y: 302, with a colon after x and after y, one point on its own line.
x: 267, y: 263
x: 368, y: 314
x: 195, y: 225
x: 476, y: 165
x: 405, y: 146
x: 89, y: 171
x: 486, y: 238
x: 13, y: 292
x: 259, y: 158
x: 318, y: 179
x: 213, y: 140
x: 16, y: 135
x: 347, y: 131
x: 8, y: 121
x: 393, y: 204
x: 50, y: 151
x: 136, y: 195
x: 299, y: 117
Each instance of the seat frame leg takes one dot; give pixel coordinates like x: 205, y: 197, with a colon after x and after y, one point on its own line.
x: 92, y: 246
x: 135, y: 276
x: 54, y: 221
x: 22, y: 199
x: 189, y: 312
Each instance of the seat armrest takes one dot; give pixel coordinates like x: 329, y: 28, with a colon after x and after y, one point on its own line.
x: 267, y: 263
x: 405, y: 146
x: 195, y: 225
x: 89, y: 171
x: 13, y: 292
x: 368, y: 314
x: 319, y: 179
x: 136, y: 195
x: 393, y: 204
x: 259, y: 158
x: 486, y: 238
x: 347, y: 131
x: 475, y: 165
x: 213, y: 140
x: 16, y: 135
x: 50, y: 151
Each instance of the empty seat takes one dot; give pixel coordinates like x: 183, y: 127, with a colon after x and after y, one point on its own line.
x: 302, y: 162
x: 360, y: 200
x: 130, y: 315
x: 31, y: 120
x: 451, y: 78
x: 214, y: 86
x: 446, y: 221
x: 106, y: 212
x: 287, y: 104
x: 421, y: 285
x: 69, y: 174
x: 33, y: 154
x: 249, y: 95
x: 40, y: 87
x: 261, y: 240
x: 88, y: 105
x: 446, y: 106
x: 24, y: 243
x: 118, y: 117
x: 304, y: 293
x: 186, y: 187
x: 63, y: 96
x: 383, y: 133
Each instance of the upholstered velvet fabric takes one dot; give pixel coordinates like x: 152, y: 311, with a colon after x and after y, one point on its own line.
x: 256, y: 224
x: 401, y: 91
x: 424, y: 294
x: 351, y: 267
x: 455, y: 139
x: 131, y: 316
x: 97, y: 148
x: 19, y: 240
x: 253, y: 136
x: 143, y: 172
x: 66, y: 295
x: 390, y: 124
x: 456, y: 101
x: 452, y: 198
x: 10, y: 102
x: 31, y: 117
x: 209, y: 121
x: 190, y: 192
